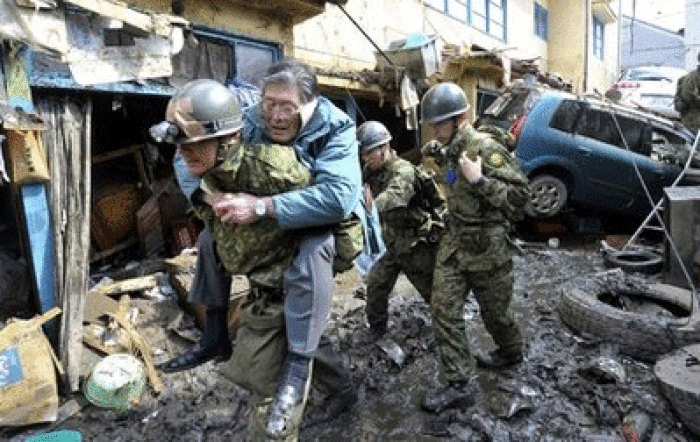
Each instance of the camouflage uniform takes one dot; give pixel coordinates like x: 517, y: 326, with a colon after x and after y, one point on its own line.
x: 687, y: 99
x: 475, y: 253
x: 410, y: 230
x: 262, y: 250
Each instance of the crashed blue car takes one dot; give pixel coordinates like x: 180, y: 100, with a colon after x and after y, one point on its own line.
x: 581, y: 152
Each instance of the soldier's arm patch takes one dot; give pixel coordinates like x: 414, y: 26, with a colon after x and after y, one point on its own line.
x: 496, y: 159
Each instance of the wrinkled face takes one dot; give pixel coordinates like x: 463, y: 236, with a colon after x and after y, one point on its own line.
x: 375, y: 158
x: 281, y: 107
x: 444, y: 130
x: 200, y: 156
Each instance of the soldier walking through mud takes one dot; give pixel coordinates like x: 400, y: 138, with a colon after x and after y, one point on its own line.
x: 486, y: 193
x: 323, y: 139
x: 411, y: 211
x: 687, y: 99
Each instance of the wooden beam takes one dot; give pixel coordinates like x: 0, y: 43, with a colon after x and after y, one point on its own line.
x: 67, y: 140
x: 101, y: 158
x: 138, y: 284
x: 158, y: 24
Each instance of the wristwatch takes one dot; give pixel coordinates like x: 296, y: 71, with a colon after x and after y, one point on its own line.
x: 260, y: 207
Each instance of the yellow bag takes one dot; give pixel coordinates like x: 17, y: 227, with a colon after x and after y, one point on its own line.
x: 28, y: 391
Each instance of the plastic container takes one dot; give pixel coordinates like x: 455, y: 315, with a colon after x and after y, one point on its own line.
x: 116, y: 382
x: 57, y: 436
x: 418, y: 53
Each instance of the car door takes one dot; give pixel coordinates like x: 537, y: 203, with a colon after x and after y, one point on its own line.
x: 650, y: 173
x: 605, y: 167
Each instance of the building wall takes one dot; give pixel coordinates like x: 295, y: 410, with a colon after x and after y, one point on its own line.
x: 223, y: 15
x: 692, y: 33
x: 567, y: 31
x: 603, y: 72
x: 331, y: 40
x: 646, y: 44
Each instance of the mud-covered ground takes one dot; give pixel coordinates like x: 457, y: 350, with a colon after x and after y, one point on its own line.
x: 556, y: 394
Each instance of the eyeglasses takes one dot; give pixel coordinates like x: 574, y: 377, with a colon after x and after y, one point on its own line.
x: 286, y: 108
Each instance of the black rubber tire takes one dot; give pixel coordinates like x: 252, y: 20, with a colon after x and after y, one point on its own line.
x: 679, y: 384
x: 548, y: 196
x: 641, y: 336
x: 642, y: 261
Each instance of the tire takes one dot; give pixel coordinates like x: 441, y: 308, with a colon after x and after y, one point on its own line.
x: 548, y: 196
x: 641, y: 336
x: 642, y: 261
x: 678, y: 382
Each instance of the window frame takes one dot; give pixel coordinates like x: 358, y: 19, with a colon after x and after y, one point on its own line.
x: 541, y: 21
x: 489, y: 24
x: 598, y: 37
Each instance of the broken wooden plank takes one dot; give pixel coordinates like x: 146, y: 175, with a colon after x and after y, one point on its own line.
x: 139, y: 343
x: 97, y: 345
x: 98, y: 305
x: 184, y: 262
x: 117, y: 153
x: 131, y: 241
x: 158, y: 24
x: 138, y: 284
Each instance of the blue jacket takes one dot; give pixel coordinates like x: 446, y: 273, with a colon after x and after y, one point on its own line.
x: 327, y: 145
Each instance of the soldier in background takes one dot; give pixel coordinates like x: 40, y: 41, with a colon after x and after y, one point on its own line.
x: 411, y: 211
x: 687, y: 99
x: 486, y: 193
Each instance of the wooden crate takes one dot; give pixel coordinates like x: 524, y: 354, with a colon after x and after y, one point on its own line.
x: 150, y: 227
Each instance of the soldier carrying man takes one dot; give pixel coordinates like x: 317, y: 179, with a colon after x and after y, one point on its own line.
x: 243, y: 186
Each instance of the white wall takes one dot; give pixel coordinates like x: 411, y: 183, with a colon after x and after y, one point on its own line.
x: 692, y: 33
x: 332, y: 40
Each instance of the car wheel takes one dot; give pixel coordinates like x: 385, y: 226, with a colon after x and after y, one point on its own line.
x: 548, y: 196
x: 643, y: 335
x: 642, y: 261
x: 677, y: 375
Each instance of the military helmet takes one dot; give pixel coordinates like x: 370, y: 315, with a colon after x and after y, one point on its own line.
x: 443, y: 101
x: 372, y: 134
x: 200, y: 110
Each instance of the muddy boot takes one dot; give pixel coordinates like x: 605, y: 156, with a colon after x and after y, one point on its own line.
x: 498, y: 359
x: 454, y: 394
x: 332, y: 377
x: 215, y: 344
x: 256, y: 423
x: 286, y: 409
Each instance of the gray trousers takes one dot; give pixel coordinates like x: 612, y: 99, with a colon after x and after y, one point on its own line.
x: 309, y: 287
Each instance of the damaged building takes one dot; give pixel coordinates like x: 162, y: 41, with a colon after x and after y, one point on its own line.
x: 87, y: 191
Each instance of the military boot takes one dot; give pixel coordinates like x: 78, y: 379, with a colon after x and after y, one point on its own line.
x: 287, y: 406
x: 454, y: 394
x: 215, y: 344
x: 498, y: 359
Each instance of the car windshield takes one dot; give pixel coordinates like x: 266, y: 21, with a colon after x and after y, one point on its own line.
x: 651, y: 75
x: 512, y: 104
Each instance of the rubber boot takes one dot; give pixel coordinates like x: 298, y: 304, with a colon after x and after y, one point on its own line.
x: 215, y: 344
x: 288, y: 404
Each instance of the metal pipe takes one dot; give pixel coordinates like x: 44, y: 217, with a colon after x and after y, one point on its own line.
x: 365, y: 34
